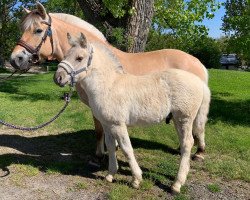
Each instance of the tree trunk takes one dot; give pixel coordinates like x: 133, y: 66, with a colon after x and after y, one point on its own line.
x: 139, y: 24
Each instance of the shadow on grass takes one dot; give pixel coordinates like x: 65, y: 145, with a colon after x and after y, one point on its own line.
x: 67, y: 153
x: 232, y: 112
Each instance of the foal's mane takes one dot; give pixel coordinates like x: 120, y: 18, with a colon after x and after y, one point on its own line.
x: 106, y: 51
x: 33, y: 18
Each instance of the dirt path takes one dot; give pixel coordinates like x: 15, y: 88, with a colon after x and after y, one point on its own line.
x: 25, y: 161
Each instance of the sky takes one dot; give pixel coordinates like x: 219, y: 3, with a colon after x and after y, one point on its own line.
x: 214, y: 24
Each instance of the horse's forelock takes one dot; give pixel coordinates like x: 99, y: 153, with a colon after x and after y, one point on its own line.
x: 30, y: 20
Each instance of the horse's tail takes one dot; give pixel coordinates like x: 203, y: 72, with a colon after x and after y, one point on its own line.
x: 201, y: 117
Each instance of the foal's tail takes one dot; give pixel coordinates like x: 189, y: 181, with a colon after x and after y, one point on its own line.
x: 201, y: 117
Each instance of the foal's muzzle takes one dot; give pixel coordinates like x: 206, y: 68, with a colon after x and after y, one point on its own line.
x: 60, y: 78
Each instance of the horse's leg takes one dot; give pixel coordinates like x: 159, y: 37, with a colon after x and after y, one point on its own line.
x: 111, y: 147
x: 100, y: 152
x: 121, y: 135
x: 98, y: 127
x: 184, y: 129
x: 199, y: 136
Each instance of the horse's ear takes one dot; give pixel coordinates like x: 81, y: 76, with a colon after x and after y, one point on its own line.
x: 27, y: 11
x: 83, y: 41
x: 41, y: 10
x: 70, y: 40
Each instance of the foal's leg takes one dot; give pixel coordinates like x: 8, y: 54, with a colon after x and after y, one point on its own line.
x: 184, y: 129
x: 111, y: 147
x: 121, y: 135
x: 100, y: 152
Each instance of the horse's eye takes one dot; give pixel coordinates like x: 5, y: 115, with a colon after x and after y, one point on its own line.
x: 79, y: 58
x: 38, y: 30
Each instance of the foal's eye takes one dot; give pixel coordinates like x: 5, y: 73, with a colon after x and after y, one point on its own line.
x: 79, y: 58
x: 38, y: 30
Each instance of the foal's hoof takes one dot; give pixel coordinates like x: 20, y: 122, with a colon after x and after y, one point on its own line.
x: 109, y: 178
x: 136, y: 184
x: 175, y: 189
x: 198, y: 157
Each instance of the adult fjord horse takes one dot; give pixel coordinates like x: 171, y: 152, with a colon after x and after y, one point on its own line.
x: 45, y: 37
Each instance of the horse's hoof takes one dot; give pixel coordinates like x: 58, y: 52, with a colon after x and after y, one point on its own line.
x: 175, y: 189
x: 197, y: 157
x: 136, y: 184
x: 109, y: 178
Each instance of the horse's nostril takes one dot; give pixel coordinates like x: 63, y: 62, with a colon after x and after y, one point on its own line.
x: 59, y: 79
x: 20, y: 58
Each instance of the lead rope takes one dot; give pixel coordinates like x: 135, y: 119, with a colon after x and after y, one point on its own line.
x: 10, y: 76
x: 67, y: 98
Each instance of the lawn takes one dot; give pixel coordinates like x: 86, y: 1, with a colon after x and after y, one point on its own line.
x: 31, y: 100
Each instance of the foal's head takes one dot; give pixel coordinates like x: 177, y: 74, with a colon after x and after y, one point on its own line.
x: 76, y: 61
x: 35, y: 26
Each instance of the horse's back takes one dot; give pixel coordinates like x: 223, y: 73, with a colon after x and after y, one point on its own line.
x: 161, y: 60
x: 185, y: 89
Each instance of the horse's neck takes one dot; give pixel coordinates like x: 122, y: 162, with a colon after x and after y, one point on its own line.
x: 60, y: 30
x: 102, y: 74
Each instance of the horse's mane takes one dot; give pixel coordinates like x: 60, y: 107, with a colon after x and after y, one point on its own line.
x: 33, y: 18
x: 110, y: 55
x: 76, y: 21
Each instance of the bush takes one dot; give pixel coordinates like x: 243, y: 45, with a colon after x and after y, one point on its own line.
x: 207, y: 51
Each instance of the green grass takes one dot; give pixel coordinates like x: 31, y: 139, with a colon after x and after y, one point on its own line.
x: 32, y: 100
x: 213, y: 188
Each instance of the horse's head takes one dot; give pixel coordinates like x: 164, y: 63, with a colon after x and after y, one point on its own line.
x: 35, y: 44
x: 76, y: 62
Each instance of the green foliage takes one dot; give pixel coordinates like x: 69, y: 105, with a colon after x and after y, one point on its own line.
x: 207, y: 51
x: 180, y: 16
x: 62, y: 6
x: 158, y: 40
x: 117, y: 7
x: 236, y: 24
x: 117, y: 38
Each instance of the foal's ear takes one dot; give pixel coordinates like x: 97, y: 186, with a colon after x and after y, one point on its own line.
x: 27, y: 11
x: 41, y: 10
x: 83, y: 41
x: 70, y: 40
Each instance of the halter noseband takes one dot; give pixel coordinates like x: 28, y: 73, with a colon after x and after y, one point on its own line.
x: 34, y: 51
x: 70, y: 70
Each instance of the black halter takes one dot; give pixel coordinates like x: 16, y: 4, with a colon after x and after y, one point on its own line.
x: 70, y: 70
x: 35, y: 51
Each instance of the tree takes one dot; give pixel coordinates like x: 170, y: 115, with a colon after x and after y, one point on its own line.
x: 176, y: 16
x: 139, y: 23
x: 236, y: 25
x: 62, y: 6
